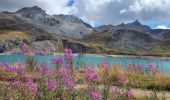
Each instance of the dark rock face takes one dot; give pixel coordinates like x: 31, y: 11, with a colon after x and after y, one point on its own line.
x: 50, y: 21
x: 42, y: 38
x: 135, y: 25
x: 75, y: 47
x: 71, y: 18
x: 65, y: 25
x: 31, y: 12
x: 130, y: 40
x: 41, y: 47
x: 11, y: 45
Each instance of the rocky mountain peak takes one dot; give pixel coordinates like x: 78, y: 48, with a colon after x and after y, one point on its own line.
x: 136, y: 22
x: 135, y: 25
x: 31, y: 12
x: 71, y: 18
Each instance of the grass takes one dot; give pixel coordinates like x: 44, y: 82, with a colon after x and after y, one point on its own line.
x: 7, y: 35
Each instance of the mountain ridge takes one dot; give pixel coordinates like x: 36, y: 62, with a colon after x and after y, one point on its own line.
x: 69, y: 31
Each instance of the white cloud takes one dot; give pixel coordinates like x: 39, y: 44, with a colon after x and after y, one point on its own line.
x: 162, y: 27
x: 149, y: 5
x: 123, y: 11
x: 100, y: 11
x: 57, y: 7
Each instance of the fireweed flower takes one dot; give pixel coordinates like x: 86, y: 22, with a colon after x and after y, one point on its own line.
x: 121, y: 79
x: 68, y: 54
x: 63, y: 72
x: 70, y: 84
x: 152, y: 68
x: 22, y: 72
x: 57, y: 61
x: 11, y: 68
x: 33, y: 89
x: 129, y: 94
x: 105, y: 64
x: 17, y: 83
x: 96, y: 95
x: 91, y: 74
x: 139, y: 68
x: 129, y: 67
x: 25, y: 48
x: 44, y: 70
x: 29, y: 81
x: 52, y: 85
x: 115, y: 90
x: 67, y: 79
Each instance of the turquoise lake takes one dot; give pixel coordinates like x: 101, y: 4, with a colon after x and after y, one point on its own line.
x: 84, y: 60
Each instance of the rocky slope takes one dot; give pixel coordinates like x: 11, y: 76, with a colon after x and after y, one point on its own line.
x: 34, y: 27
x: 66, y: 25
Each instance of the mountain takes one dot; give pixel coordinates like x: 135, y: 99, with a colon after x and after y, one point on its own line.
x: 66, y: 25
x: 35, y: 27
x: 135, y: 25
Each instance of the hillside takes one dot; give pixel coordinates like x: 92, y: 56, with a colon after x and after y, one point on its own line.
x: 34, y: 27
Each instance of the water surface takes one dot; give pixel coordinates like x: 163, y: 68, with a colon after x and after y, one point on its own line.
x: 84, y: 60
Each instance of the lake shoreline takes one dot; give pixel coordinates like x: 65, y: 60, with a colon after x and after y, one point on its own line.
x: 98, y: 55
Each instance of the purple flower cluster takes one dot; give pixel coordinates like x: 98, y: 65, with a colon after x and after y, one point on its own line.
x: 152, y: 68
x: 91, y: 74
x: 52, y: 85
x: 11, y: 68
x: 44, y: 70
x: 17, y: 84
x: 67, y: 78
x: 105, y: 64
x: 96, y: 95
x: 129, y: 94
x: 115, y: 90
x: 63, y: 72
x: 140, y: 68
x: 68, y: 54
x: 121, y: 79
x: 31, y: 86
x: 25, y: 48
x: 33, y: 89
x: 57, y: 61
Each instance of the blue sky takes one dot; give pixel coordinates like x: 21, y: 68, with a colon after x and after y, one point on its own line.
x: 70, y: 3
x: 102, y: 12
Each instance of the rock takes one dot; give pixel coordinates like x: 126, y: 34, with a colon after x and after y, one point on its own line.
x: 41, y: 38
x: 43, y: 47
x: 75, y: 47
x: 65, y: 25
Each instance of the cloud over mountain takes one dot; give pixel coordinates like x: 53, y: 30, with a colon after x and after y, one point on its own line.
x: 101, y: 11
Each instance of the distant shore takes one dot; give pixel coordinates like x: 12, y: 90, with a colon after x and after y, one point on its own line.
x: 100, y: 55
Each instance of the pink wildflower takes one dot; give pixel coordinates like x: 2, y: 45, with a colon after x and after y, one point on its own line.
x: 129, y: 94
x: 152, y: 68
x: 29, y: 81
x: 52, y: 85
x: 96, y: 95
x: 45, y: 70
x: 70, y: 84
x: 121, y: 79
x: 91, y: 74
x: 63, y: 72
x: 115, y: 90
x: 105, y: 64
x: 17, y: 83
x: 33, y: 89
x: 68, y: 54
x: 57, y: 61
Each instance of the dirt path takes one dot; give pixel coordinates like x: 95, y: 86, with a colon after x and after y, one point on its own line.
x: 144, y: 93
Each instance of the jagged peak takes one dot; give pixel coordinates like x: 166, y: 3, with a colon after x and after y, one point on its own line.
x: 32, y: 10
x: 136, y: 22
